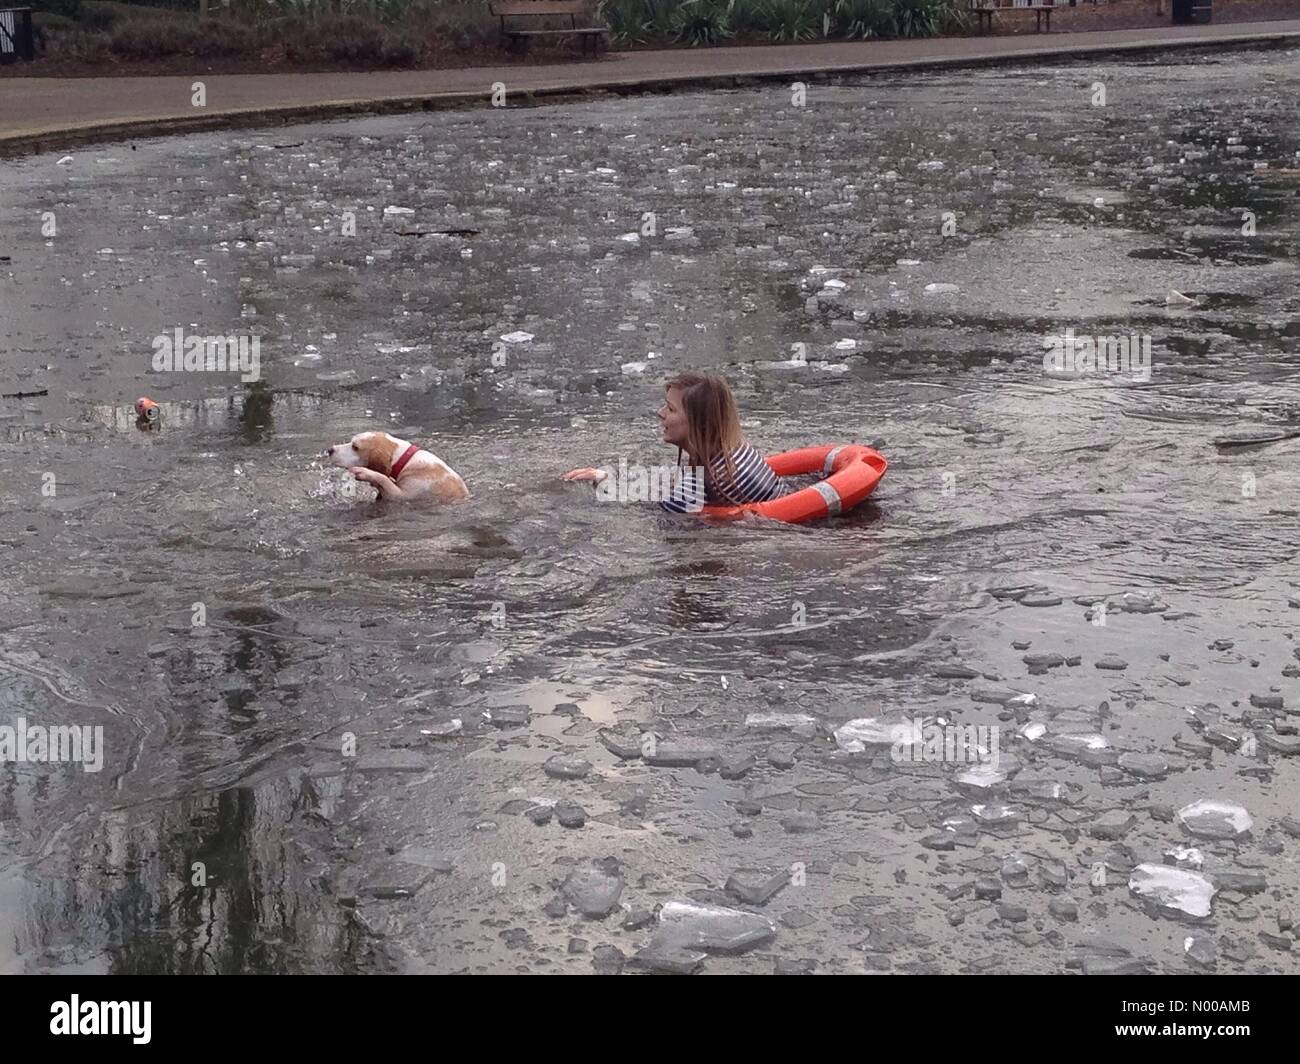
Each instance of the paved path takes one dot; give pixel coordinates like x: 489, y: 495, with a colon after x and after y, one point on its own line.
x: 41, y: 114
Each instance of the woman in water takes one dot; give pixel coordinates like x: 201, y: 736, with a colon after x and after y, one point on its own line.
x: 699, y: 417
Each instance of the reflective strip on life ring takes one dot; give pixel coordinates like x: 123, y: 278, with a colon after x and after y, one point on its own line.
x: 829, y: 464
x: 832, y: 497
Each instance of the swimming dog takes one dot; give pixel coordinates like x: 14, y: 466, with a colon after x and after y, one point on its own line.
x: 397, y: 468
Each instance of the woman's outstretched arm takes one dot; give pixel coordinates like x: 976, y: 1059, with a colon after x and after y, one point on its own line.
x: 586, y: 473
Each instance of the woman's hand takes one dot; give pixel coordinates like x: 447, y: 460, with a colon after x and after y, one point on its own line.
x: 586, y: 473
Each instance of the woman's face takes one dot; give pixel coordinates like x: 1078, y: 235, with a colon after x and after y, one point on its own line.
x: 672, y: 416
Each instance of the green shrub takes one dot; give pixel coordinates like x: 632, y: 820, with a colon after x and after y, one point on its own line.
x: 747, y: 16
x: 628, y: 20
x: 98, y: 16
x: 386, y: 10
x: 351, y: 40
x: 151, y: 37
x: 860, y: 19
x: 302, y: 9
x: 69, y: 9
x: 922, y: 18
x: 52, y: 23
x: 80, y: 46
x: 789, y: 20
x: 662, y: 16
x: 180, y: 7
x: 703, y: 22
x: 451, y: 26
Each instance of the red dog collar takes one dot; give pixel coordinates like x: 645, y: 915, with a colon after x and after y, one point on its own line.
x: 400, y: 464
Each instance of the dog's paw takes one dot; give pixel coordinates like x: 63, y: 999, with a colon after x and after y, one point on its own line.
x: 362, y: 473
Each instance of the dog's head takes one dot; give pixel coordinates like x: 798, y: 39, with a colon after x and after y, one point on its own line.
x: 374, y: 450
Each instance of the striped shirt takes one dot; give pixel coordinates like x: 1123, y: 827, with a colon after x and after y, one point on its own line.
x: 752, y: 481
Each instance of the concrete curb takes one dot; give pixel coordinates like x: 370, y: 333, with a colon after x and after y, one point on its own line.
x: 60, y: 138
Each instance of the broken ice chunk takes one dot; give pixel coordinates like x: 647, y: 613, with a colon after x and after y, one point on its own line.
x: 689, y: 925
x: 1173, y: 890
x: 1212, y: 819
x: 1184, y: 857
x: 854, y: 736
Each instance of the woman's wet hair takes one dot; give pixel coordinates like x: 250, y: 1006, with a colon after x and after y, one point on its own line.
x: 712, y: 422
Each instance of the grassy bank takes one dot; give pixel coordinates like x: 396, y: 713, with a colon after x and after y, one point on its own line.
x: 99, y: 35
x: 302, y: 34
x: 709, y: 22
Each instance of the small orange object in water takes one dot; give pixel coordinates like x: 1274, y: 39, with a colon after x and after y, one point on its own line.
x: 147, y: 409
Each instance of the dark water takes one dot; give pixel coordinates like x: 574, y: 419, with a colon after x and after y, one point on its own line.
x: 326, y: 616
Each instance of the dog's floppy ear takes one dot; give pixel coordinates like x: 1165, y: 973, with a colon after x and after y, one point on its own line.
x: 376, y: 451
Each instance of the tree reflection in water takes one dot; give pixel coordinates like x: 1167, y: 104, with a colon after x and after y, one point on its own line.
x: 129, y: 903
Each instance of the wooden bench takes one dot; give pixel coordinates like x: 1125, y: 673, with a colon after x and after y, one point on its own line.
x: 984, y: 11
x: 16, y: 37
x: 544, y: 9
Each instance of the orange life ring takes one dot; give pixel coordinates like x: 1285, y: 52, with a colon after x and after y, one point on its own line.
x: 851, y: 473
